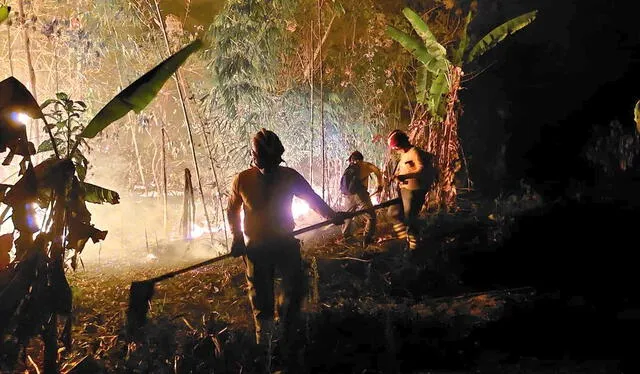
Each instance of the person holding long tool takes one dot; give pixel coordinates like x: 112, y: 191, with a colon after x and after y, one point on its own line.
x: 265, y: 193
x: 415, y: 174
x: 354, y: 184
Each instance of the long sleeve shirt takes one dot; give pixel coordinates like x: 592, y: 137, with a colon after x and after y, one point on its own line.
x: 366, y: 169
x: 266, y: 200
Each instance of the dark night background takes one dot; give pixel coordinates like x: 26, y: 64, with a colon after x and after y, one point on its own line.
x: 576, y: 66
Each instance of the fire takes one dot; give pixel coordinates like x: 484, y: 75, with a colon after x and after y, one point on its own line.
x: 299, y: 208
x: 198, y: 231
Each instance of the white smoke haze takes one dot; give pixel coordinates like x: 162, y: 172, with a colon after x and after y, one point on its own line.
x: 137, y: 234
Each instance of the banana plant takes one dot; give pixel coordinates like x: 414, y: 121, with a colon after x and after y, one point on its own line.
x: 56, y: 185
x: 498, y: 34
x: 431, y: 82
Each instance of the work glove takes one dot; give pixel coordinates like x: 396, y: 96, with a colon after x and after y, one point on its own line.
x: 238, y: 248
x: 338, y: 218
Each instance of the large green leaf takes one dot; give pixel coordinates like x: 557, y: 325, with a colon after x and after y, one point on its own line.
x: 98, y: 195
x: 439, y: 88
x: 140, y: 93
x: 458, y: 54
x: 414, y: 46
x: 4, y: 12
x: 16, y: 98
x: 47, y: 146
x: 422, y: 79
x: 418, y: 50
x: 499, y: 33
x: 434, y: 48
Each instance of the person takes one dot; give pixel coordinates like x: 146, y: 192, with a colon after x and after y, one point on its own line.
x: 265, y: 193
x: 359, y: 198
x: 415, y: 174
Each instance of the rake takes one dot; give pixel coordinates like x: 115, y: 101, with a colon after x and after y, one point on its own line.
x: 141, y: 292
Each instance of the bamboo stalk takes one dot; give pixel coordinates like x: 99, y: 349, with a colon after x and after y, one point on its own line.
x: 215, y: 179
x: 178, y: 79
x: 324, y: 153
x: 311, y: 107
x: 318, y: 51
x: 146, y: 239
x: 164, y: 180
x: 32, y: 73
x: 9, y: 48
x: 215, y: 175
x: 153, y: 162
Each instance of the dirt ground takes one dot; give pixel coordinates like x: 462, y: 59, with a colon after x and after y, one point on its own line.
x: 373, y: 310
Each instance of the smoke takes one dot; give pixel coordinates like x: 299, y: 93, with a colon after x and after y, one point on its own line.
x: 136, y: 226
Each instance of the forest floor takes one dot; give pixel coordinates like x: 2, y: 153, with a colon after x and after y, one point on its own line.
x: 373, y: 310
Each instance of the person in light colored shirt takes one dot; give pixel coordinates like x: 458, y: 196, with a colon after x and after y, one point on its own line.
x: 415, y: 173
x: 265, y: 193
x: 361, y: 198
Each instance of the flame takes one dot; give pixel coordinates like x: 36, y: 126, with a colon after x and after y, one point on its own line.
x: 197, y: 231
x: 299, y: 208
x: 201, y: 229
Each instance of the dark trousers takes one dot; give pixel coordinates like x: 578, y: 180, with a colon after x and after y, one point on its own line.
x: 407, y: 219
x: 355, y: 202
x: 262, y: 263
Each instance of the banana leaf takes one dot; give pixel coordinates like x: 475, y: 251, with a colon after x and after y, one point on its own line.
x: 17, y: 98
x: 422, y: 79
x: 458, y: 54
x: 4, y: 12
x: 434, y: 48
x: 438, y: 89
x: 499, y: 33
x: 414, y: 46
x: 98, y: 195
x: 140, y: 93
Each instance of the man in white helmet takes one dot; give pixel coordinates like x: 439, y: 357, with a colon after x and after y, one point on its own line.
x: 265, y: 193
